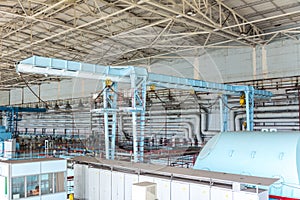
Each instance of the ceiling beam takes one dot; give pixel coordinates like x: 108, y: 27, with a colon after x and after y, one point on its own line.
x: 68, y: 30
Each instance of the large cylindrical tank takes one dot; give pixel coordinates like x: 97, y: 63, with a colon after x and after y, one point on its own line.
x: 265, y: 154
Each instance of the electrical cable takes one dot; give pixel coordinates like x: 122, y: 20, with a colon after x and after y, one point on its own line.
x: 26, y: 83
x: 100, y: 93
x: 156, y: 95
x: 230, y: 108
x: 164, y: 102
x: 212, y: 104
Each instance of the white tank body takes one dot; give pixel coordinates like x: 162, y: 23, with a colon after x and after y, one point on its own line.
x: 265, y: 154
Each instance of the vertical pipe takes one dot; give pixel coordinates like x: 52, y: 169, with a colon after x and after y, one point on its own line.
x: 251, y: 108
x: 249, y: 94
x: 196, y: 66
x: 247, y: 110
x: 225, y: 113
x: 39, y: 99
x: 221, y: 115
x: 12, y: 122
x: 264, y: 61
x: 114, y: 121
x: 254, y: 62
x: 133, y: 105
x: 22, y: 96
x: 106, y: 130
x: 299, y: 106
x: 134, y: 136
x: 142, y: 118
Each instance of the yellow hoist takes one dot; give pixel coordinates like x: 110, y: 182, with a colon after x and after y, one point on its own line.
x: 242, y: 99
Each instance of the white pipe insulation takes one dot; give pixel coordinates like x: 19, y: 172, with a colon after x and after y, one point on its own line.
x: 191, y: 121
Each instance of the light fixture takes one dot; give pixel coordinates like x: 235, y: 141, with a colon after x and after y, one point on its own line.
x: 191, y: 13
x: 56, y: 107
x: 68, y: 106
x: 47, y: 106
x: 80, y: 104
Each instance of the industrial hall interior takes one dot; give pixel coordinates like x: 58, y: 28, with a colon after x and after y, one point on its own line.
x: 150, y: 99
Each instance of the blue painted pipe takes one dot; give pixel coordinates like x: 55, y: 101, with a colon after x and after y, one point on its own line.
x: 265, y: 154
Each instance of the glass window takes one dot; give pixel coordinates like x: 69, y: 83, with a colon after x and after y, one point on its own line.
x: 18, y: 187
x: 59, y: 181
x: 33, y: 188
x: 47, y: 183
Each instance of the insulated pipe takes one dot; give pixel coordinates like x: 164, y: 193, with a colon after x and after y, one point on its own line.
x: 237, y: 115
x: 196, y: 124
x: 196, y: 112
x: 188, y: 129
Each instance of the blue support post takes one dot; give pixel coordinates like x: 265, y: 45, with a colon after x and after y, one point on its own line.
x: 224, y: 113
x: 133, y: 114
x: 138, y: 95
x: 251, y: 108
x: 114, y: 121
x: 142, y: 118
x: 249, y: 94
x: 110, y: 118
x: 105, y: 115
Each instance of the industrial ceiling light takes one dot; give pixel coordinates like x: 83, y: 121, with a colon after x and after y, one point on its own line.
x: 191, y: 13
x: 80, y: 104
x: 47, y: 106
x: 68, y: 106
x: 56, y: 107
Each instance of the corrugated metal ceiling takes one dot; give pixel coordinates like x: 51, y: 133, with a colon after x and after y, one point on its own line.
x: 134, y: 32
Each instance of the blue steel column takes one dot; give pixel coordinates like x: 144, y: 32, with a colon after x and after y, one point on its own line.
x: 251, y: 108
x: 105, y: 114
x: 110, y: 98
x: 249, y: 94
x: 114, y: 121
x: 142, y: 119
x: 133, y: 105
x: 225, y: 113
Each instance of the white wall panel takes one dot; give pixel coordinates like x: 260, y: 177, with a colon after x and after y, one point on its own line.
x: 4, y: 97
x: 94, y: 184
x: 80, y: 181
x: 105, y: 185
x: 221, y: 193
x: 118, y: 186
x: 3, y: 195
x: 129, y: 180
x: 24, y: 169
x: 4, y: 169
x: 29, y: 96
x: 16, y: 96
x: 198, y: 191
x: 53, y: 166
x: 163, y: 189
x: 180, y: 190
x: 145, y: 178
